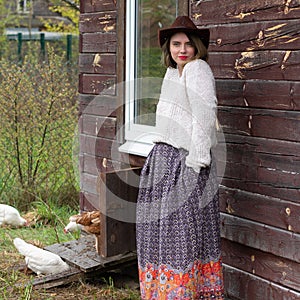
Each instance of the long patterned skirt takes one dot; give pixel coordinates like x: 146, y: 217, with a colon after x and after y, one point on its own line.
x: 178, y: 230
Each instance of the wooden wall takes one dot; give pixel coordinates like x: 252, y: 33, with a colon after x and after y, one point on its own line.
x: 254, y: 53
x: 255, y: 58
x: 98, y: 61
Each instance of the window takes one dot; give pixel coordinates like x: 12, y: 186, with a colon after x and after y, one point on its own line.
x: 144, y: 71
x: 24, y: 6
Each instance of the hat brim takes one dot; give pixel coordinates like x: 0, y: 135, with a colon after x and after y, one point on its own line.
x: 164, y: 34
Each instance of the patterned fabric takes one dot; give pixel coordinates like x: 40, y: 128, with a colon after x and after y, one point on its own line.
x: 178, y: 230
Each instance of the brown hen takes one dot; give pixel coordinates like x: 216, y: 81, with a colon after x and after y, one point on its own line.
x: 90, y: 221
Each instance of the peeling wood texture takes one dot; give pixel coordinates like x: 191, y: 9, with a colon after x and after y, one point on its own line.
x: 96, y: 84
x: 269, y: 35
x: 95, y: 165
x: 279, y: 65
x: 98, y: 22
x: 222, y: 11
x: 97, y: 63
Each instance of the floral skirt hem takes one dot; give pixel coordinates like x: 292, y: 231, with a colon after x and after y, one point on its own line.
x: 201, y: 281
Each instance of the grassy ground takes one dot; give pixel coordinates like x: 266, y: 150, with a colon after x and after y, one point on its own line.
x: 121, y: 284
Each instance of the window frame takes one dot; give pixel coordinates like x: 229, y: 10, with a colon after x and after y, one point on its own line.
x: 23, y: 7
x: 138, y: 137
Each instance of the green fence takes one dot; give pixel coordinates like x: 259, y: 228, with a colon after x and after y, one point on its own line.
x: 67, y: 43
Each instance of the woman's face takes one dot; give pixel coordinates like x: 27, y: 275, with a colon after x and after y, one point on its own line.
x: 181, y: 49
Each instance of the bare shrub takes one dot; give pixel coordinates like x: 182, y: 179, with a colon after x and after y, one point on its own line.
x: 38, y: 116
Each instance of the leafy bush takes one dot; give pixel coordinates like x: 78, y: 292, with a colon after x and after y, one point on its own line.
x: 38, y: 115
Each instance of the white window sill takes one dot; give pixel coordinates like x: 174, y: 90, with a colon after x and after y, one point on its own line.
x: 136, y: 148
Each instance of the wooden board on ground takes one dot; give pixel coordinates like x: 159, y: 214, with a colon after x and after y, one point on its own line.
x: 54, y: 280
x: 84, y: 261
x: 82, y: 254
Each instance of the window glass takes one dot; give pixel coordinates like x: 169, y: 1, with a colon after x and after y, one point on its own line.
x: 143, y: 70
x: 24, y: 6
x: 151, y: 15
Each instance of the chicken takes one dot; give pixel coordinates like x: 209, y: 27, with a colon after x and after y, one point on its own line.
x: 11, y: 216
x: 41, y: 262
x: 90, y: 221
x: 72, y: 226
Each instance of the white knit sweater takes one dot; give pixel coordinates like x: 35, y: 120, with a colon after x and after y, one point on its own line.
x: 186, y: 112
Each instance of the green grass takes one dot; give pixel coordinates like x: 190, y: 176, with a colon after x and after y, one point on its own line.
x: 47, y: 228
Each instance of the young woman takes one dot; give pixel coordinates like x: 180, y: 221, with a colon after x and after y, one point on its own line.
x: 178, y: 231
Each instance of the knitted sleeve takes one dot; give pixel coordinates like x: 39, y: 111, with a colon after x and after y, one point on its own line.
x: 201, y: 94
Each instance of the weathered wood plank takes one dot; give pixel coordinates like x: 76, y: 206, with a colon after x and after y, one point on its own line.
x: 287, y: 151
x: 221, y: 11
x: 264, y: 209
x: 256, y: 122
x: 82, y: 254
x: 98, y: 22
x: 99, y: 105
x: 281, y: 95
x: 99, y: 63
x: 99, y: 147
x: 271, y: 65
x: 267, y: 167
x: 291, y: 194
x: 88, y: 201
x: 98, y: 42
x: 89, y: 183
x: 117, y: 196
x: 276, y: 269
x: 77, y: 253
x: 245, y: 286
x: 51, y: 281
x: 268, y: 35
x: 96, y: 84
x: 95, y: 165
x: 98, y: 126
x: 260, y: 236
x: 97, y: 5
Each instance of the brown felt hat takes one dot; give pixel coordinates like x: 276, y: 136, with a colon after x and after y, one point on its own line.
x: 186, y: 25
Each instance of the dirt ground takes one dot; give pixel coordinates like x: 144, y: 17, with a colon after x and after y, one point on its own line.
x: 16, y: 281
x: 15, y: 284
